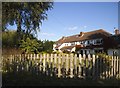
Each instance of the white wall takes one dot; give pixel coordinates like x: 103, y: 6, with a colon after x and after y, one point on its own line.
x: 78, y: 43
x: 73, y: 49
x: 54, y: 45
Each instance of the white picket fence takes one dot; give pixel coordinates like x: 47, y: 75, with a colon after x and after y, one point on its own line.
x: 64, y: 65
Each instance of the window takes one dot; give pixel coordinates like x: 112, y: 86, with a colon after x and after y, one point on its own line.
x: 88, y: 42
x: 73, y: 43
x: 98, y: 41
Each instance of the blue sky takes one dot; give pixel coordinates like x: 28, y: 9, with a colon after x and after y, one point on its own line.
x: 69, y: 18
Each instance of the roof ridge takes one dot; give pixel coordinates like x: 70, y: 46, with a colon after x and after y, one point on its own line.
x: 96, y: 30
x: 89, y: 32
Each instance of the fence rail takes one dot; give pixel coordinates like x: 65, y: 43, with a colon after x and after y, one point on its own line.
x: 64, y: 65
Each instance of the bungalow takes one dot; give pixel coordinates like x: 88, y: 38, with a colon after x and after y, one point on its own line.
x: 85, y: 42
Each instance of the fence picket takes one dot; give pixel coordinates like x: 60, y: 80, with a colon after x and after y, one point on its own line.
x: 40, y: 67
x: 44, y: 62
x: 93, y: 66
x: 75, y: 64
x: 114, y: 66
x: 80, y: 63
x: 119, y: 66
x: 89, y: 65
x: 69, y: 65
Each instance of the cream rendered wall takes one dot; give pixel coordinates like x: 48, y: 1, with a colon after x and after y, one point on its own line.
x: 54, y: 45
x: 73, y: 49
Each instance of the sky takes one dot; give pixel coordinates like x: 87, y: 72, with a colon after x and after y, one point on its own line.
x: 70, y: 18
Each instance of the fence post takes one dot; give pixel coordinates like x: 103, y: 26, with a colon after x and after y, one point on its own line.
x: 84, y: 67
x: 112, y: 67
x: 80, y: 62
x: 89, y: 65
x: 40, y: 67
x: 93, y: 66
x: 48, y: 62
x: 37, y: 63
x: 109, y: 60
x: 119, y: 66
x: 59, y: 68
x: 97, y: 67
x: 51, y: 60
x: 63, y: 60
x: 67, y: 64
x: 71, y: 66
x: 55, y: 60
x: 11, y: 62
x: 101, y: 67
x: 75, y: 65
x: 44, y: 62
x: 114, y: 73
x: 51, y: 64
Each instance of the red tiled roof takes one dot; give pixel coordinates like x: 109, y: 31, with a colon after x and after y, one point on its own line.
x: 86, y: 36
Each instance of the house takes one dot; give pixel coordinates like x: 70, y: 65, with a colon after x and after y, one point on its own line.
x: 85, y: 42
x: 116, y: 49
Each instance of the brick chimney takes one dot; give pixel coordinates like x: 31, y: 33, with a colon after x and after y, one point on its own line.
x: 81, y: 33
x: 116, y: 32
x: 63, y: 37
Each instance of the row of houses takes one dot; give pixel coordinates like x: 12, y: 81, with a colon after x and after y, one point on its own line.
x: 90, y: 43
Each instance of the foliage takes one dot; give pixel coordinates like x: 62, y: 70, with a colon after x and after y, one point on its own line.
x: 36, y: 46
x: 48, y: 46
x: 106, y: 58
x: 56, y: 52
x: 28, y: 16
x: 9, y: 39
x: 29, y: 45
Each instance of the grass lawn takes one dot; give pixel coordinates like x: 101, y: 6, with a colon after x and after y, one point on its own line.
x: 31, y: 79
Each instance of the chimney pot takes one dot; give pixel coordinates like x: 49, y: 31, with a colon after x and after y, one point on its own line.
x: 116, y: 31
x: 81, y: 33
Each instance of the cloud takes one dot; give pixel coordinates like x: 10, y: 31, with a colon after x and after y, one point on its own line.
x: 47, y: 34
x: 84, y: 27
x: 72, y: 28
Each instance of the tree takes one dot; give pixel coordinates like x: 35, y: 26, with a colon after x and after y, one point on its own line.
x: 28, y: 16
x: 48, y: 46
x: 9, y: 39
x: 29, y: 45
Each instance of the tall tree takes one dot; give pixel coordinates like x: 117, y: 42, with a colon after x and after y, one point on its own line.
x: 28, y: 16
